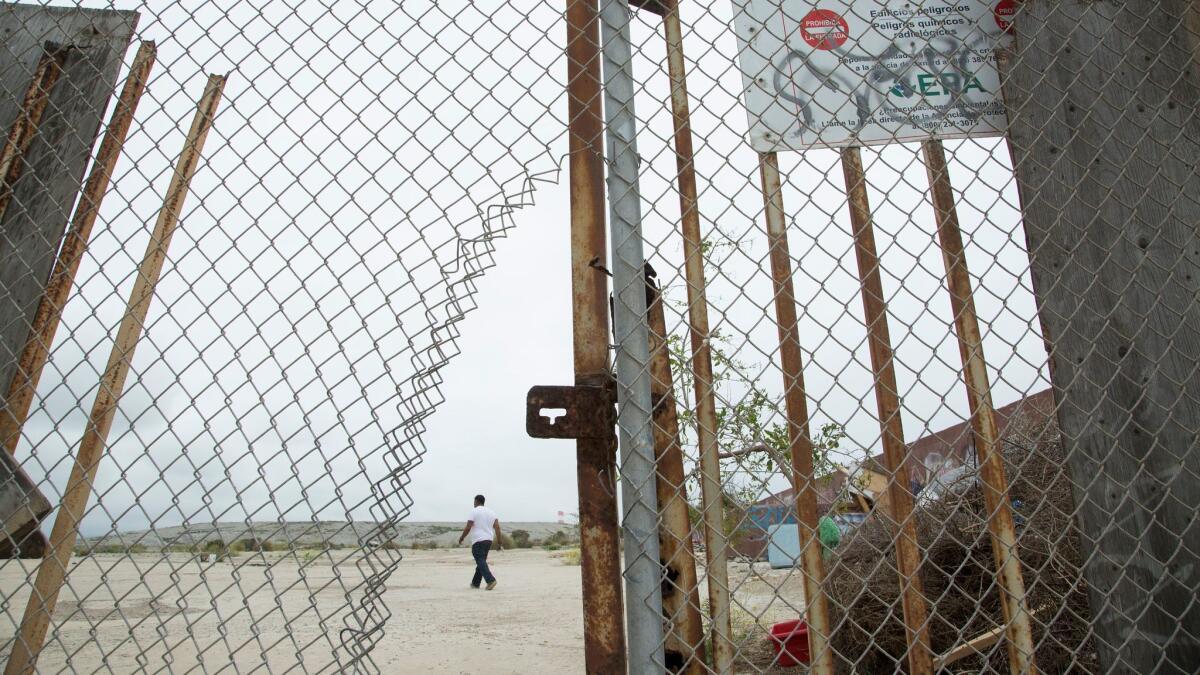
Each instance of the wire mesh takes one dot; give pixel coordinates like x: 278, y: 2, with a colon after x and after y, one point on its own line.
x: 919, y: 294
x: 363, y: 164
x: 875, y: 254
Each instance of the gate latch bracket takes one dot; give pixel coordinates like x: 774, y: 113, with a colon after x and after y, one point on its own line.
x: 588, y: 411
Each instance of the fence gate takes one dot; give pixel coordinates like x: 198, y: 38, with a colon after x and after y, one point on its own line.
x: 905, y: 326
x: 886, y: 323
x: 285, y: 207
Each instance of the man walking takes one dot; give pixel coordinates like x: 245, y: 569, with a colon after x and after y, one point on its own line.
x: 484, y: 528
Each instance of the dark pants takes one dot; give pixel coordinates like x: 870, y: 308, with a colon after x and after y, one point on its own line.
x: 480, y: 550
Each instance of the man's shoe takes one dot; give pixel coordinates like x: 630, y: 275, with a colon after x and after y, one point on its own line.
x: 491, y: 585
x: 474, y: 586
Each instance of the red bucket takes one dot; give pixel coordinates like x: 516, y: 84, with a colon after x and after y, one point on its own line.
x: 791, y: 642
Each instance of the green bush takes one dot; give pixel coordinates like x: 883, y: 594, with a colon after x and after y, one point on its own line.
x: 560, y: 539
x: 507, y: 541
x: 217, y: 548
x: 520, y: 539
x: 121, y: 549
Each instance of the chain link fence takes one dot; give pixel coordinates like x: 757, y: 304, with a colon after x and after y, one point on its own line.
x: 903, y: 315
x: 361, y: 164
x: 939, y: 271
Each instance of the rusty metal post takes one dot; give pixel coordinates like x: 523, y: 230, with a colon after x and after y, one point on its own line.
x: 24, y: 128
x: 45, y: 323
x: 603, y: 609
x: 887, y: 397
x: 799, y: 441
x: 979, y: 396
x: 53, y: 569
x: 716, y: 544
x: 684, y: 651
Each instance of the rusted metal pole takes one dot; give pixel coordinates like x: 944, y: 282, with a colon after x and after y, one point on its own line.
x: 716, y: 544
x: 600, y: 558
x: 45, y: 323
x: 53, y: 569
x: 24, y: 128
x: 799, y: 442
x: 887, y: 397
x: 979, y: 396
x: 684, y: 651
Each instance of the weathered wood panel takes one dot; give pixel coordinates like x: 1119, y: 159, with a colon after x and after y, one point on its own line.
x: 32, y: 226
x: 1103, y: 100
x: 22, y: 505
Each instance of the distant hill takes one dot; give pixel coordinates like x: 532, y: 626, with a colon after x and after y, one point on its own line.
x: 339, y: 534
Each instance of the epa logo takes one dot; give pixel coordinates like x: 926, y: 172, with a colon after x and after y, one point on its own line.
x: 936, y: 84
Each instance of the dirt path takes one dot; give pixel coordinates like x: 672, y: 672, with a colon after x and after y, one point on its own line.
x: 168, y: 620
x: 531, y: 623
x: 150, y: 613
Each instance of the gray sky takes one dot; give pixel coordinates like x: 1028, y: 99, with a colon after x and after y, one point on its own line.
x: 357, y: 144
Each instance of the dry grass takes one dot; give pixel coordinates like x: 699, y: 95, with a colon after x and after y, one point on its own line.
x: 958, y: 576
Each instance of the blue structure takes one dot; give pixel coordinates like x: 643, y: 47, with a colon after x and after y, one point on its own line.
x: 783, y: 539
x: 783, y: 545
x: 763, y: 517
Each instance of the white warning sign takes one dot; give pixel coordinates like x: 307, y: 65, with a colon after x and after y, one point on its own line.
x: 862, y: 72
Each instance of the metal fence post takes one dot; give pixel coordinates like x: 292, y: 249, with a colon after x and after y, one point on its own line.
x: 684, y: 651
x: 799, y: 441
x: 643, y: 572
x: 979, y: 396
x: 53, y: 570
x: 24, y: 128
x: 600, y: 558
x: 45, y: 323
x: 712, y: 503
x: 908, y: 549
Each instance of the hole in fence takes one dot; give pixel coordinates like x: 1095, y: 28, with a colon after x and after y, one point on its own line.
x: 670, y: 583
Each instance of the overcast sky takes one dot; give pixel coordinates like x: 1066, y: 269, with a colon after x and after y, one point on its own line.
x: 362, y: 151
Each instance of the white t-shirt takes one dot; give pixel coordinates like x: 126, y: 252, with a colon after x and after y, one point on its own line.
x: 484, y: 527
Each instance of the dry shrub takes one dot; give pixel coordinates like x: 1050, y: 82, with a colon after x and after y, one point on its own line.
x: 958, y: 571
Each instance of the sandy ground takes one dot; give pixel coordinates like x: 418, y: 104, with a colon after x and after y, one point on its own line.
x: 531, y: 623
x: 179, y: 615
